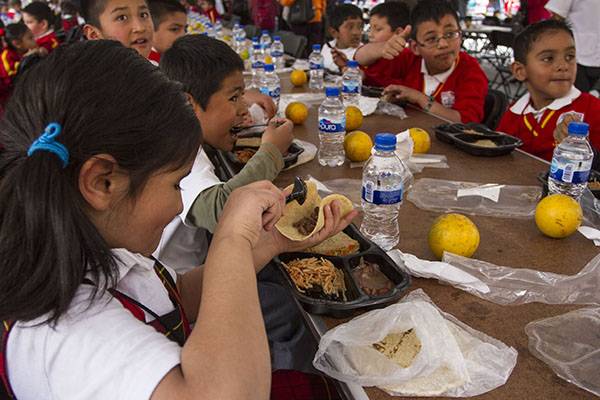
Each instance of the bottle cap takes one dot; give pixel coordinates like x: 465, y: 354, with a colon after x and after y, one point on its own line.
x: 352, y: 63
x: 332, y: 91
x: 269, y: 68
x: 255, y: 39
x: 276, y: 37
x: 316, y: 47
x: 578, y: 128
x: 256, y: 46
x: 265, y: 31
x: 385, y: 141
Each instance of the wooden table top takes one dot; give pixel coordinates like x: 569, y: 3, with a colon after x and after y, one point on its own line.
x: 510, y: 242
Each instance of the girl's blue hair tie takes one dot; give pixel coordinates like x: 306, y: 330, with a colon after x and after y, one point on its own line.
x: 47, y: 142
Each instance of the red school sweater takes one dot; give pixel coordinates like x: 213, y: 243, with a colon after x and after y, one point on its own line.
x: 538, y: 137
x: 48, y: 41
x: 8, y: 69
x: 464, y: 90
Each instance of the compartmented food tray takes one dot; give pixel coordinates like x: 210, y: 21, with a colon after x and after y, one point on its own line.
x: 230, y: 163
x: 477, y: 139
x: 365, y: 288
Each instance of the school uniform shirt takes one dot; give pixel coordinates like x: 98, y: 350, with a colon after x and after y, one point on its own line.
x: 154, y: 56
x: 462, y: 89
x: 100, y: 352
x: 9, y: 65
x: 47, y: 40
x: 536, y: 127
x: 328, y: 57
x: 583, y: 16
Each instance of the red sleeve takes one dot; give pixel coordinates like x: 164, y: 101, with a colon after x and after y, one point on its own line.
x: 592, y: 117
x: 387, y: 72
x: 472, y: 87
x: 507, y: 123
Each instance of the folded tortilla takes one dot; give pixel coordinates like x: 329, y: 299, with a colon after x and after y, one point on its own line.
x: 295, y: 212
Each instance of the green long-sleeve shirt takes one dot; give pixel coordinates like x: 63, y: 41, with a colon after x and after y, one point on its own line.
x: 264, y: 165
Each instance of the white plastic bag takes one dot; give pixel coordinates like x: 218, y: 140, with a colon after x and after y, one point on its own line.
x: 570, y: 345
x: 454, y: 360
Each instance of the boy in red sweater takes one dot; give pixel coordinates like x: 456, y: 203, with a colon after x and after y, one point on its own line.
x: 545, y: 61
x: 39, y: 18
x: 169, y: 18
x: 429, y: 70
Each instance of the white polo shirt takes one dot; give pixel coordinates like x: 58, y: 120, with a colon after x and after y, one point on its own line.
x: 584, y: 16
x: 328, y: 57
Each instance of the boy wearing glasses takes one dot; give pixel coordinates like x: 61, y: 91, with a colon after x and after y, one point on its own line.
x: 429, y: 69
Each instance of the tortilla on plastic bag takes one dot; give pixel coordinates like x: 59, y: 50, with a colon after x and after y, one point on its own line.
x: 295, y: 212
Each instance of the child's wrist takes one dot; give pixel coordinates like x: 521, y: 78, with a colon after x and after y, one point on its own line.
x: 427, y: 102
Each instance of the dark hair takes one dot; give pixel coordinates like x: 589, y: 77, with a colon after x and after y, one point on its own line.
x: 201, y: 64
x: 14, y: 2
x: 91, y: 10
x: 14, y: 32
x: 397, y: 14
x: 526, y: 38
x: 109, y: 100
x: 159, y: 9
x: 41, y: 12
x: 430, y: 10
x: 343, y: 12
x: 69, y: 8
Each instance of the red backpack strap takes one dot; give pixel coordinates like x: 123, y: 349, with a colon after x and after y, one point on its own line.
x: 5, y: 389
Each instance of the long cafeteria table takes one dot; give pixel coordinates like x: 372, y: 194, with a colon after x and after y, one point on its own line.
x: 509, y: 242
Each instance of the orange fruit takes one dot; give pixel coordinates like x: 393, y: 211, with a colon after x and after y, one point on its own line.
x: 354, y: 118
x: 297, y: 112
x: 357, y: 146
x: 421, y: 140
x: 558, y: 216
x: 298, y: 77
x: 454, y: 233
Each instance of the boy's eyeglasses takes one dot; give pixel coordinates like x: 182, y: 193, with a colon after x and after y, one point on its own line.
x: 433, y: 41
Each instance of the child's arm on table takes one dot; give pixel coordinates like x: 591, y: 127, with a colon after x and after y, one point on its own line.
x: 264, y: 165
x: 371, y: 52
x: 403, y: 93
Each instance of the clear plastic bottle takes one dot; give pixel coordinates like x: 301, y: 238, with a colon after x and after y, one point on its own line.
x: 315, y: 60
x: 218, y: 30
x: 210, y: 31
x: 257, y: 64
x: 270, y: 84
x: 385, y: 178
x: 277, y: 52
x: 351, y: 84
x: 571, y: 162
x: 265, y: 40
x: 332, y: 129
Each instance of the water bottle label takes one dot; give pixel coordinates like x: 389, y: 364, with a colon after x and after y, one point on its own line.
x: 314, y: 65
x: 258, y: 65
x: 275, y: 53
x: 349, y: 87
x: 328, y: 126
x: 274, y: 93
x: 569, y: 172
x: 371, y: 194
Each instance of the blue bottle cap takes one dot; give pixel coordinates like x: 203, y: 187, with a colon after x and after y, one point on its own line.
x: 276, y: 37
x: 352, y: 63
x: 265, y: 31
x: 255, y: 39
x: 256, y: 46
x: 578, y: 128
x: 316, y: 47
x: 385, y: 141
x: 269, y: 68
x: 332, y: 91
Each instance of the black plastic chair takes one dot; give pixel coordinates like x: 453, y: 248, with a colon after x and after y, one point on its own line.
x: 293, y: 44
x: 495, y: 105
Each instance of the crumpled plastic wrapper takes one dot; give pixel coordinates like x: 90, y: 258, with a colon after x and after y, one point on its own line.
x: 387, y: 108
x: 440, y: 195
x: 570, y: 345
x: 454, y: 361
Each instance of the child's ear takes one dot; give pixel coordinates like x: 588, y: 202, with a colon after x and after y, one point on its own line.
x: 101, y: 183
x: 92, y: 33
x: 519, y: 71
x: 414, y: 47
x: 332, y: 32
x: 195, y: 106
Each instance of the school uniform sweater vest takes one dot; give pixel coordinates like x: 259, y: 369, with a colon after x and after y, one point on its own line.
x: 538, y: 136
x: 47, y: 41
x: 463, y: 91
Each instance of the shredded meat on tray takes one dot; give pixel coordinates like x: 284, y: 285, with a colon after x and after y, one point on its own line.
x: 306, y: 225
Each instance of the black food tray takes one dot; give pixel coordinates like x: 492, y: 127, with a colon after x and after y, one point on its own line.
x: 231, y: 166
x: 317, y: 303
x: 455, y: 134
x: 371, y: 91
x: 593, y: 178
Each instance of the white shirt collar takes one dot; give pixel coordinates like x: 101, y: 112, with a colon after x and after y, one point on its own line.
x: 441, y: 78
x: 127, y: 262
x: 523, y: 105
x: 44, y: 34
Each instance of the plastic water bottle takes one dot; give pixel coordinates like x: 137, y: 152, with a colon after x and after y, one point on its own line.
x: 265, y: 40
x: 210, y: 31
x: 315, y: 60
x: 332, y: 129
x: 571, y: 162
x: 257, y: 64
x: 351, y: 84
x: 277, y: 52
x: 218, y: 30
x: 384, y: 180
x: 270, y: 84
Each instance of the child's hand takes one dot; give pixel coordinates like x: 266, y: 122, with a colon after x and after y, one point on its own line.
x: 254, y: 96
x: 396, y: 44
x: 395, y: 93
x: 562, y: 130
x: 279, y: 133
x: 339, y: 59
